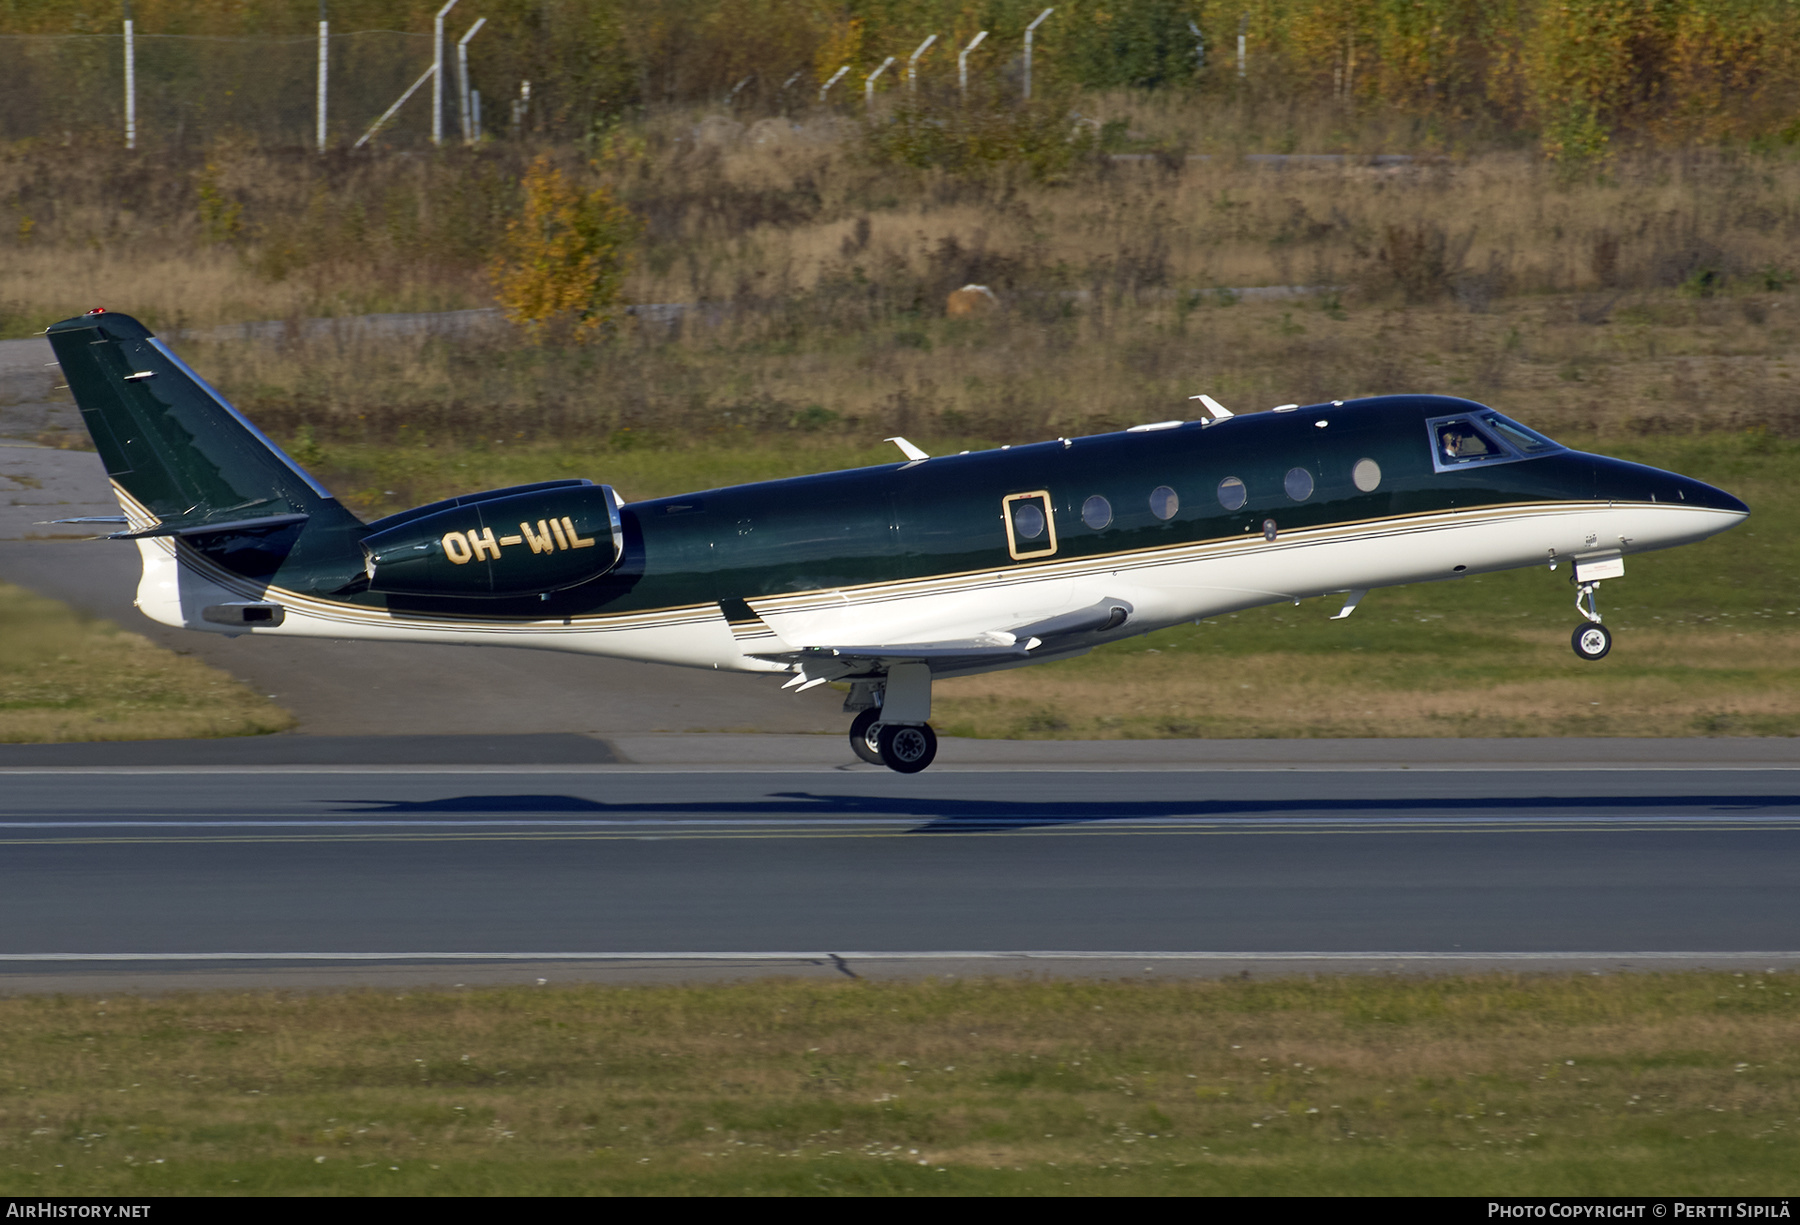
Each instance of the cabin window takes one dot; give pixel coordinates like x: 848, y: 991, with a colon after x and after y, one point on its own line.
x: 1030, y: 524
x: 1366, y: 475
x: 1164, y: 502
x: 1298, y: 483
x: 1096, y: 512
x: 1232, y: 494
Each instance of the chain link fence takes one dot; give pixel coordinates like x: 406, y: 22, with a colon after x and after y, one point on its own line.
x: 193, y: 90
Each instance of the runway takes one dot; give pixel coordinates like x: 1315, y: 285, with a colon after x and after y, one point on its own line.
x: 451, y: 816
x: 247, y: 874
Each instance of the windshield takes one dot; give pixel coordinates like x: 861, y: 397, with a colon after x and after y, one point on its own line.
x: 1483, y: 437
x: 1526, y: 441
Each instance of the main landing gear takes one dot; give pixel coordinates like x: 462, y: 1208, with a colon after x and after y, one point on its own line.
x: 1593, y: 640
x: 904, y: 747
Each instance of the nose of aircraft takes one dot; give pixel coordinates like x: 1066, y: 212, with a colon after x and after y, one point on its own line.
x: 1628, y: 482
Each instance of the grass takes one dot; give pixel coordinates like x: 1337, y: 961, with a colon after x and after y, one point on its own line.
x: 68, y: 677
x: 1632, y: 1084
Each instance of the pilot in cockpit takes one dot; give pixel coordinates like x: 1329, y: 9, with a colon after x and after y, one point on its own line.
x: 1459, y: 442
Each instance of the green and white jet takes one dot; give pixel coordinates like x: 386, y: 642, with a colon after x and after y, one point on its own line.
x: 882, y: 578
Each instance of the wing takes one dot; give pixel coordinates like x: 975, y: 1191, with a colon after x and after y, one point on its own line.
x: 1053, y: 637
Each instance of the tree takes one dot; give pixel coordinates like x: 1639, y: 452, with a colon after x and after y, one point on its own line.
x: 564, y: 258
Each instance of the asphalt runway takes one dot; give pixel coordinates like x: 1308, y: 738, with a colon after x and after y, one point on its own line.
x: 453, y: 816
x: 310, y: 876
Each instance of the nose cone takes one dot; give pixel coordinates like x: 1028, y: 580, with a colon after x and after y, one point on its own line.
x: 1617, y: 480
x: 1711, y: 497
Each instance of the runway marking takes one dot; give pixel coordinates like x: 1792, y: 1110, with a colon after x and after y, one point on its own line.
x: 918, y: 955
x: 1051, y: 827
x: 686, y: 770
x: 804, y: 824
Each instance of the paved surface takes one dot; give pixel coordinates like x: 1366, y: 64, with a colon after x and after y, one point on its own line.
x: 452, y: 815
x: 308, y: 875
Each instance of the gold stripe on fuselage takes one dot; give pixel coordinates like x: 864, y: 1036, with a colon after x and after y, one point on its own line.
x: 880, y: 592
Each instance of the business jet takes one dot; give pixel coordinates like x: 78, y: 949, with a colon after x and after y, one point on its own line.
x: 882, y: 579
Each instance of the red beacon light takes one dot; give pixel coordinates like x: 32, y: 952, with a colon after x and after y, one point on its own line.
x: 98, y: 310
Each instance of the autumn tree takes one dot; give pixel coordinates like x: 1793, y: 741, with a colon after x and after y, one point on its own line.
x: 564, y: 259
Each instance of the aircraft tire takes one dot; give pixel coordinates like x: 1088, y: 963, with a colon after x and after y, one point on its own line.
x: 907, y: 748
x: 1591, y: 641
x: 864, y: 741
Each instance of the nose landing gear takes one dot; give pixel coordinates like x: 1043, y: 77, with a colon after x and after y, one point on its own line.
x: 1593, y: 640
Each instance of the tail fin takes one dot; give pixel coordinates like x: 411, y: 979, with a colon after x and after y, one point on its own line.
x: 172, y: 444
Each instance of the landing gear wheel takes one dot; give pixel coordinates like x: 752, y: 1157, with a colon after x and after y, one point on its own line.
x: 907, y: 747
x: 863, y: 740
x: 1592, y: 641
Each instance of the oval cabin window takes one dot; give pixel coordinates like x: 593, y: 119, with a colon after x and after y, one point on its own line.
x: 1163, y: 502
x: 1298, y: 483
x: 1232, y: 494
x: 1366, y: 474
x: 1096, y: 512
x: 1028, y: 521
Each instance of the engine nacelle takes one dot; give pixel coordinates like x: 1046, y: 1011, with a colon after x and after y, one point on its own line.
x: 522, y: 544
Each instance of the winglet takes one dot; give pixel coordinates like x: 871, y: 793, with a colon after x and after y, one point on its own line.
x: 907, y: 449
x: 1219, y: 411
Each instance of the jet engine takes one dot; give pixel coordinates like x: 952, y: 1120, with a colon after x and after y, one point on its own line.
x: 505, y: 543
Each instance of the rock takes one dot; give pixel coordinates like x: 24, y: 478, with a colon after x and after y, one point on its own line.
x: 971, y: 300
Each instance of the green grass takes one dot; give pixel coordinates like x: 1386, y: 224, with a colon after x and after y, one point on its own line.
x: 65, y: 676
x: 1503, y: 1084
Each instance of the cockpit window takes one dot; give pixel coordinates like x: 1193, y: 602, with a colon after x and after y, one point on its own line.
x: 1483, y: 437
x: 1528, y: 442
x: 1460, y: 440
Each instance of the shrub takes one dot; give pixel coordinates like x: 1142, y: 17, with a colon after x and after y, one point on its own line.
x: 565, y: 256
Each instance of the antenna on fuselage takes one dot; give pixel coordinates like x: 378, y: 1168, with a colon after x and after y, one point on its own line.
x: 907, y: 449
x: 1219, y: 411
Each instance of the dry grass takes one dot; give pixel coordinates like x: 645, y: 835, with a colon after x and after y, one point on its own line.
x: 66, y: 677
x: 1628, y: 1084
x: 1650, y: 293
x: 1533, y: 685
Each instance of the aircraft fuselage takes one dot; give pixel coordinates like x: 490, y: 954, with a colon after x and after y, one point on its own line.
x: 921, y: 551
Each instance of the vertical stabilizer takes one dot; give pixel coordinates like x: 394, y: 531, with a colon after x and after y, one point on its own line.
x: 173, y: 445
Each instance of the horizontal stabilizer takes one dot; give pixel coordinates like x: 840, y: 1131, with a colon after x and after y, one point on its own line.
x: 267, y: 523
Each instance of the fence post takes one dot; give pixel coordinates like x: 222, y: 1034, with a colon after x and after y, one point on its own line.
x: 912, y: 65
x: 1243, y: 30
x: 437, y: 80
x: 835, y: 78
x: 1029, y: 31
x: 869, y: 83
x: 130, y: 82
x: 324, y: 69
x: 462, y: 78
x: 962, y: 65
